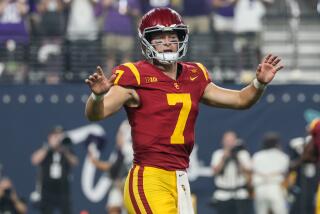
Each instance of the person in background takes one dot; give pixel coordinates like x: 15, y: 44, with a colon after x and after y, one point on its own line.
x: 117, y: 166
x: 118, y: 31
x: 82, y: 34
x: 231, y: 166
x: 224, y: 36
x: 270, y: 167
x: 14, y: 40
x: 51, y: 27
x: 10, y: 202
x: 196, y: 14
x: 55, y: 160
x: 147, y: 5
x: 248, y: 26
x: 52, y: 18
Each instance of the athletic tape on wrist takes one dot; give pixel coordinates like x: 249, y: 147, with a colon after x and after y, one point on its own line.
x: 258, y: 85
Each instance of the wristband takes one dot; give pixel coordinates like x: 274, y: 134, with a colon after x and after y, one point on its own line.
x: 258, y: 85
x: 96, y: 97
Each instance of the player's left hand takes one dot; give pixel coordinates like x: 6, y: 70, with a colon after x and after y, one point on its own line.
x: 268, y: 69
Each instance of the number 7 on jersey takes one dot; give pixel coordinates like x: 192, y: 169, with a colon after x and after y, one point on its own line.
x: 177, y: 136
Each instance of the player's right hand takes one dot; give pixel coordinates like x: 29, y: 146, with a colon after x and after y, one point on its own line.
x: 99, y: 83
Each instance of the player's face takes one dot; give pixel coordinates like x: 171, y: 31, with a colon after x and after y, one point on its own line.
x: 165, y: 42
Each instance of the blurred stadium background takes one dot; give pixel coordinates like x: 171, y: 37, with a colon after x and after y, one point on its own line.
x: 44, y: 61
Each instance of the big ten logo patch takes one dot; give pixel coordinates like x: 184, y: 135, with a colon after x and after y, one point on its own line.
x: 151, y: 79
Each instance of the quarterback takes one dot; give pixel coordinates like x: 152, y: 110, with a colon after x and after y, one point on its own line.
x: 161, y: 96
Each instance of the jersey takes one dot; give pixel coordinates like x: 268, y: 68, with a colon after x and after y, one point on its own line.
x: 163, y: 124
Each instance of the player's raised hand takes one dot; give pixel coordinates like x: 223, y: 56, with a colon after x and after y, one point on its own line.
x: 268, y: 68
x: 99, y: 83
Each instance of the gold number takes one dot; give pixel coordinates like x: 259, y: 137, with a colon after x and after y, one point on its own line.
x: 120, y: 72
x: 177, y: 136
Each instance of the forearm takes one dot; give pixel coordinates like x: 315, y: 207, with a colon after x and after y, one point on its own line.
x: 101, y: 165
x: 39, y: 156
x: 249, y: 96
x: 100, y: 109
x: 219, y: 167
x: 71, y: 158
x: 94, y: 109
x: 20, y: 206
x: 117, y: 96
x: 226, y: 98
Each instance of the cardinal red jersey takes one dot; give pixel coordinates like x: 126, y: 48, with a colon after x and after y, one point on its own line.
x: 314, y: 129
x: 163, y: 124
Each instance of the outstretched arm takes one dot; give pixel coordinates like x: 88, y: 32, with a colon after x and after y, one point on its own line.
x: 101, y: 165
x: 246, y: 97
x: 106, y: 98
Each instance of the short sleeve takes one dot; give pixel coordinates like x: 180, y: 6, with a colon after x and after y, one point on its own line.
x: 245, y: 159
x: 206, y: 77
x: 127, y: 75
x: 216, y: 158
x: 205, y: 72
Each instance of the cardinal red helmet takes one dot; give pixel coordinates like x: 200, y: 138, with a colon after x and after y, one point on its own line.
x: 163, y: 20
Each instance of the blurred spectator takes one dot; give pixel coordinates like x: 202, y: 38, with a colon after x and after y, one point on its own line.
x: 231, y: 166
x: 55, y: 160
x: 196, y: 15
x: 248, y: 27
x: 223, y: 25
x: 10, y: 202
x: 52, y: 18
x: 13, y: 39
x: 118, y: 166
x: 33, y: 17
x: 119, y: 30
x: 50, y: 38
x: 82, y: 36
x: 149, y: 4
x: 270, y: 167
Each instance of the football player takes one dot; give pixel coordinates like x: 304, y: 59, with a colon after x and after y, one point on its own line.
x: 161, y: 96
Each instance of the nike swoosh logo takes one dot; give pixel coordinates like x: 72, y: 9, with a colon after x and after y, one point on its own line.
x: 181, y: 175
x: 193, y: 78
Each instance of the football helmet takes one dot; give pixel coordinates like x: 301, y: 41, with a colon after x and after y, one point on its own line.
x: 163, y: 20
